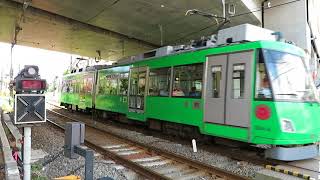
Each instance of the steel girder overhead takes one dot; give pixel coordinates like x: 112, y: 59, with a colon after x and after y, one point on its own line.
x: 116, y: 28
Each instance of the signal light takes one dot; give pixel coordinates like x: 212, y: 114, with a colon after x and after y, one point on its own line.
x: 30, y: 71
x: 33, y: 85
x: 28, y: 81
x: 263, y: 112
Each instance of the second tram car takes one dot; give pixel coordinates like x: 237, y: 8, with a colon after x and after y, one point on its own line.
x: 257, y: 92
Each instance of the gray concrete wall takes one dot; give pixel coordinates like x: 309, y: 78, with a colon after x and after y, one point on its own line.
x: 251, y: 5
x: 314, y: 22
x: 291, y: 18
x: 314, y: 19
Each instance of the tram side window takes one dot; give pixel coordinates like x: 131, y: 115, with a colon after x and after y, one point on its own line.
x: 78, y: 85
x: 68, y: 86
x: 159, y: 82
x: 142, y: 83
x: 73, y: 85
x: 89, y: 84
x: 216, y: 80
x: 238, y: 83
x: 123, y: 84
x: 108, y: 84
x: 101, y: 84
x: 111, y: 84
x: 82, y: 84
x: 188, y: 81
x: 65, y: 86
x: 263, y: 88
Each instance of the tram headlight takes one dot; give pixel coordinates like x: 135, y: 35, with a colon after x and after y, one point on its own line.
x: 287, y: 126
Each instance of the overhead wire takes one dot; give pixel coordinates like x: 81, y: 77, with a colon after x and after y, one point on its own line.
x: 209, y: 26
x: 101, y: 11
x: 170, y: 21
x: 192, y: 33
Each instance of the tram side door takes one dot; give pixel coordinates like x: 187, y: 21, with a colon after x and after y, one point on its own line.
x: 137, y: 89
x: 228, y: 89
x: 215, y: 87
x: 239, y: 89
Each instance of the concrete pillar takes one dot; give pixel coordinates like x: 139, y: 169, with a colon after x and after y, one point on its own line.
x: 291, y: 18
x: 253, y: 5
x: 314, y: 21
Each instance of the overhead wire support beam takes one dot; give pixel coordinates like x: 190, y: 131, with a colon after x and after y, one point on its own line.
x: 82, y: 24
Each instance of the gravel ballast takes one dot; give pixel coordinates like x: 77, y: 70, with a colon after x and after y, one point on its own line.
x: 214, y: 159
x: 51, y: 141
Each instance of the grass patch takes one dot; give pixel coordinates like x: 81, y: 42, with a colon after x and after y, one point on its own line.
x: 36, y: 167
x: 36, y: 172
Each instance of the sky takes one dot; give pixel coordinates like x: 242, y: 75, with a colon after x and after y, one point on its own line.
x: 51, y: 63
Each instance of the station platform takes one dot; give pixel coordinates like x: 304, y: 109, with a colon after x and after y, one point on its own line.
x: 303, y: 169
x: 267, y: 174
x: 309, y: 167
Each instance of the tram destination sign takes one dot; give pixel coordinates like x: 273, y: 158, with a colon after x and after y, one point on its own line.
x: 29, y: 108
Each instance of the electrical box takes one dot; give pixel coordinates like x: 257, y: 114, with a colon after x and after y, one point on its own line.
x: 244, y: 33
x: 74, y: 136
x: 30, y: 109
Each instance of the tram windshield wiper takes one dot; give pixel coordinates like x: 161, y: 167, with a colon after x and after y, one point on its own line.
x: 288, y: 94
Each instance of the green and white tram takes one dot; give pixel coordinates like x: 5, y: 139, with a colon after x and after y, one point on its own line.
x: 254, y: 91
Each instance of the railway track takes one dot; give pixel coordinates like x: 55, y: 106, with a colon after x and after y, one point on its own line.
x: 146, y: 160
x: 307, y: 167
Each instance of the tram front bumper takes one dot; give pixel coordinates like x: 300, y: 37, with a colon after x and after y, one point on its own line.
x: 293, y: 153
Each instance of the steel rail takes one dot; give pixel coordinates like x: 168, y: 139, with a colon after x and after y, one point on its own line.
x: 129, y: 164
x: 243, y: 157
x: 196, y: 164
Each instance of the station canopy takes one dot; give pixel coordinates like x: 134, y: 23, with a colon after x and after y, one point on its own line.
x: 113, y: 29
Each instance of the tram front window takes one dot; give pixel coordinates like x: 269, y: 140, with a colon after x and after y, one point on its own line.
x: 287, y: 77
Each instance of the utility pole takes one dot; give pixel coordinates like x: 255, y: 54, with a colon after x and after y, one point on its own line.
x: 1, y: 81
x: 11, y: 69
x: 70, y: 63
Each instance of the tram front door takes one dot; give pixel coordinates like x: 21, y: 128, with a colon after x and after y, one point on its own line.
x: 228, y: 89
